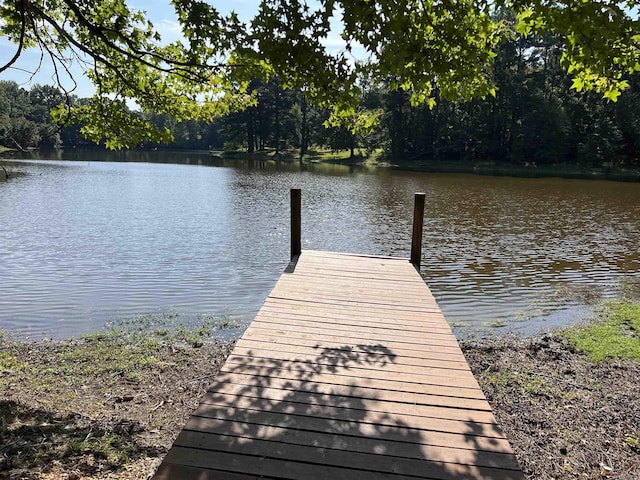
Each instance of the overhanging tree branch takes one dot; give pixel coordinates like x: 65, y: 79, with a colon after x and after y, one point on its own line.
x: 20, y: 47
x: 444, y: 46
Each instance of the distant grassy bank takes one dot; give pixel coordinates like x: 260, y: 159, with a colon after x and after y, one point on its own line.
x: 360, y: 156
x: 377, y: 158
x: 527, y: 171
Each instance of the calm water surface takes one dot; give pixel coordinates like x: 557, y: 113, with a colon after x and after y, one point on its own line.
x: 85, y: 242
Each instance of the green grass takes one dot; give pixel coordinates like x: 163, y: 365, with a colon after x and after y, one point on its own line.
x: 530, y: 171
x: 525, y: 383
x: 132, y: 345
x: 88, y: 404
x: 615, y: 334
x: 116, y: 449
x: 128, y: 348
x: 328, y: 155
x: 316, y: 154
x: 8, y: 361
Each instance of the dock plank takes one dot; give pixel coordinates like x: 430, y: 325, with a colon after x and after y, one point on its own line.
x: 408, y: 374
x: 423, y: 417
x: 349, y: 371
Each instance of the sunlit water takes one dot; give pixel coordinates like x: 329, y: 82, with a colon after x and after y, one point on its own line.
x: 85, y: 242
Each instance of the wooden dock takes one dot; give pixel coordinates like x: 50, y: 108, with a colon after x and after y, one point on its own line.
x: 349, y: 371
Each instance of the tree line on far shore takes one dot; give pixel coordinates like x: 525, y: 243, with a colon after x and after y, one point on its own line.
x: 534, y: 118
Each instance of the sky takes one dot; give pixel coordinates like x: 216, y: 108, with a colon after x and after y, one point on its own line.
x: 163, y: 17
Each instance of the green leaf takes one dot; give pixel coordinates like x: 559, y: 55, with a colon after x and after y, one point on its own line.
x: 578, y: 84
x: 612, y: 95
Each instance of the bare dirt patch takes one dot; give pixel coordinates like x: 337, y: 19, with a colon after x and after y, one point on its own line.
x: 98, y: 408
x: 565, y: 416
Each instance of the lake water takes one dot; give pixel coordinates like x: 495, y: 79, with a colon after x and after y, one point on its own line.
x: 86, y: 242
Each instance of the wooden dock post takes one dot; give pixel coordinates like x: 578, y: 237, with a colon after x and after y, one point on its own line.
x: 296, y: 223
x: 416, y: 237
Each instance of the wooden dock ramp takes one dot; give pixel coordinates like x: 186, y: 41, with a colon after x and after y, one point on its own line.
x: 349, y: 371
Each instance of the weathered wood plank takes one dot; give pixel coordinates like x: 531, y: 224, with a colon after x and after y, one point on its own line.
x: 356, y: 274
x: 384, y: 301
x: 334, y: 275
x: 357, y: 347
x: 344, y: 264
x: 276, y: 374
x: 372, y: 340
x: 332, y: 357
x: 243, y: 384
x: 329, y: 420
x: 268, y: 321
x: 353, y: 256
x: 443, y: 337
x: 426, y: 313
x: 407, y: 374
x: 309, y: 447
x: 358, y: 305
x: 276, y: 396
x: 427, y: 318
x: 175, y: 471
x: 288, y: 468
x: 420, y: 417
x: 349, y: 371
x: 270, y: 316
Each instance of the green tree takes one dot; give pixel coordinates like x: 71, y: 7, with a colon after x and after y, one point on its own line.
x: 628, y: 115
x: 422, y: 47
x: 44, y: 99
x: 16, y: 129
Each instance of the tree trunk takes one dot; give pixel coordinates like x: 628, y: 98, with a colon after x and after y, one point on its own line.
x: 304, y: 130
x: 277, y: 125
x: 251, y: 140
x: 352, y: 145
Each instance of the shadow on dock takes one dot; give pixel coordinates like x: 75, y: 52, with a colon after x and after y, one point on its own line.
x: 306, y: 418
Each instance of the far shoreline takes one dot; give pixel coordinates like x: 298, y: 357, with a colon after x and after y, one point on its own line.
x: 361, y: 159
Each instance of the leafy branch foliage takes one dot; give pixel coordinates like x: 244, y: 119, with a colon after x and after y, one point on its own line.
x: 126, y: 61
x: 535, y: 118
x: 429, y: 48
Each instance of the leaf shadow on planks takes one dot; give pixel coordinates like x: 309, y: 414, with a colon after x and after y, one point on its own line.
x: 310, y: 418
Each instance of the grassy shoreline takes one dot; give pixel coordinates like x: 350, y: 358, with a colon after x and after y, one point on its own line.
x: 565, y: 416
x: 110, y: 404
x: 105, y: 406
x: 377, y: 159
x: 527, y: 171
x: 568, y: 400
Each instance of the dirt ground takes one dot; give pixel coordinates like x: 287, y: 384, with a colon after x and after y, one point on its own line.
x: 566, y: 417
x: 109, y: 426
